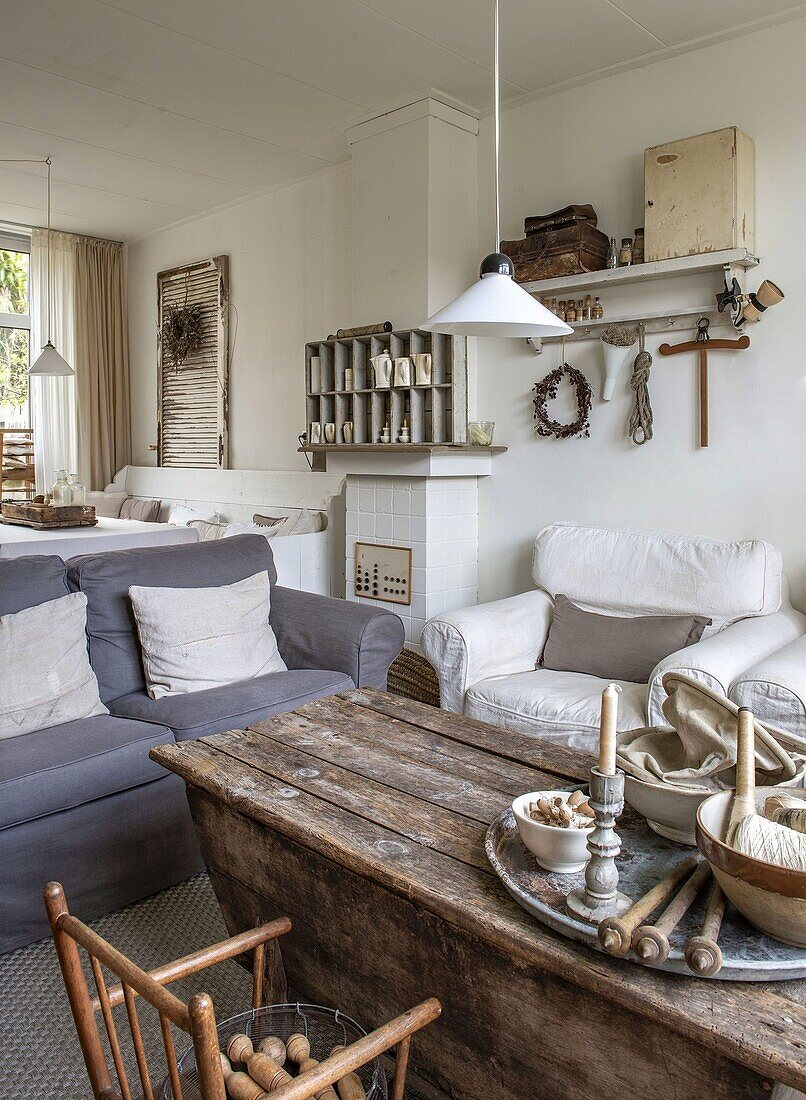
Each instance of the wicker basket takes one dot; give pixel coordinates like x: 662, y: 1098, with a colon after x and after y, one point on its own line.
x: 324, y: 1027
x: 412, y: 676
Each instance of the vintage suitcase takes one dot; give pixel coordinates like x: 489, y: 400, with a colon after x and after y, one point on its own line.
x: 569, y: 251
x: 559, y: 219
x: 700, y: 195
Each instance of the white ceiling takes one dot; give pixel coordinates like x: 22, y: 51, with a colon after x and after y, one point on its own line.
x: 155, y: 110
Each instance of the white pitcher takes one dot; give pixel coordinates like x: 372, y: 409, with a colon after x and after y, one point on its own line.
x: 403, y: 371
x: 422, y: 368
x: 382, y: 367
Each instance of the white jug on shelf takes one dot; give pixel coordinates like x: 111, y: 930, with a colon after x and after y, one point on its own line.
x: 422, y: 368
x: 382, y: 369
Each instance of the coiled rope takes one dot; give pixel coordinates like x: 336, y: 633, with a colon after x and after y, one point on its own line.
x: 640, y: 428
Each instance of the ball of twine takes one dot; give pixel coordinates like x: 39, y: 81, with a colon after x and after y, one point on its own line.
x: 620, y: 336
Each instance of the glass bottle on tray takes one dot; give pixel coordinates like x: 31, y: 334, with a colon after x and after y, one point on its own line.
x: 61, y: 493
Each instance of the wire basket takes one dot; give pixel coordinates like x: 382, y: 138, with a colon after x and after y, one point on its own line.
x: 325, y: 1028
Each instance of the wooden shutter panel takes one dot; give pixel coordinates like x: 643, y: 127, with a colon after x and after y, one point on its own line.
x: 192, y: 398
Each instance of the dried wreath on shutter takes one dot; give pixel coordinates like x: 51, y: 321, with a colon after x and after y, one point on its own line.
x: 546, y: 391
x: 182, y: 332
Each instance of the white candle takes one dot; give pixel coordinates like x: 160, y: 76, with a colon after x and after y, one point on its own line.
x: 607, y: 730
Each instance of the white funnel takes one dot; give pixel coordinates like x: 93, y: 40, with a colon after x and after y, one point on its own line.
x: 614, y: 359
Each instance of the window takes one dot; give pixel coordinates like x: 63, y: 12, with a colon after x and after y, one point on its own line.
x: 15, y: 331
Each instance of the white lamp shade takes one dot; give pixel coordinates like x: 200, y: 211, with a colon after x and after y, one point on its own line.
x: 50, y: 363
x: 496, y: 306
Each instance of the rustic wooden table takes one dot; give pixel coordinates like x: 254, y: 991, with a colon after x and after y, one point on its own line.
x: 363, y: 818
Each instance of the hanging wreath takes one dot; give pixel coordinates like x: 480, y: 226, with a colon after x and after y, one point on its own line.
x: 546, y: 391
x: 182, y: 332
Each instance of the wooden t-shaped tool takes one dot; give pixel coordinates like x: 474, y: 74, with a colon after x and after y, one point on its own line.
x: 703, y: 345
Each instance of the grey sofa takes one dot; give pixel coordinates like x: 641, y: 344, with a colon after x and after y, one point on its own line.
x: 82, y: 802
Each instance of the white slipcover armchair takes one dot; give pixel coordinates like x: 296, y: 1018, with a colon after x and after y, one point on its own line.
x: 485, y: 656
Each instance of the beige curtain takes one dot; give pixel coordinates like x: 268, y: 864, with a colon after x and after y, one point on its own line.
x: 102, y: 361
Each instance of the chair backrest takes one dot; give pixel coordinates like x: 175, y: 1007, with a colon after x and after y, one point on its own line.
x: 625, y: 572
x: 197, y: 1017
x: 105, y: 580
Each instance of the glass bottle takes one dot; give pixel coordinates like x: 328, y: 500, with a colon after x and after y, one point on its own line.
x: 570, y: 311
x: 78, y: 492
x: 61, y: 492
x: 588, y: 307
x: 625, y: 252
x: 597, y: 310
x: 612, y: 254
x: 638, y: 247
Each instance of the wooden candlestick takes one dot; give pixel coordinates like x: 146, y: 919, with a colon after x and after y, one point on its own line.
x: 608, y: 725
x: 703, y: 953
x: 274, y: 1047
x: 615, y: 933
x: 601, y: 897
x: 349, y: 1086
x: 651, y: 941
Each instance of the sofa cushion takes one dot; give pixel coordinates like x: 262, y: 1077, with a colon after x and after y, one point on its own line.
x: 29, y: 581
x: 201, y: 713
x: 65, y: 766
x: 144, y: 511
x: 105, y: 579
x: 647, y: 573
x: 561, y: 707
x: 47, y: 680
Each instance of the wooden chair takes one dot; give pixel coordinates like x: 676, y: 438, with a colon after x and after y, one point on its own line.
x: 197, y: 1017
x: 18, y: 476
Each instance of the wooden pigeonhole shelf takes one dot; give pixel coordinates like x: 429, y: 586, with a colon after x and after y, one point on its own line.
x: 436, y: 413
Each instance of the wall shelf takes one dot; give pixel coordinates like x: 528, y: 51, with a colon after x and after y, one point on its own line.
x: 398, y: 448
x: 671, y: 321
x: 642, y: 273
x: 436, y: 413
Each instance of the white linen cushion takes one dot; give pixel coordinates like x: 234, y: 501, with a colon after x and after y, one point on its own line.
x: 193, y: 639
x: 180, y: 515
x: 642, y: 573
x: 107, y: 504
x: 561, y: 707
x: 297, y: 521
x: 46, y: 679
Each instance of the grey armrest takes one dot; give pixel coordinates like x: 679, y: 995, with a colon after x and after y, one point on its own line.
x: 319, y: 632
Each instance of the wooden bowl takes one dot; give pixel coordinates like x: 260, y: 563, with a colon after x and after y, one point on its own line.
x: 772, y: 898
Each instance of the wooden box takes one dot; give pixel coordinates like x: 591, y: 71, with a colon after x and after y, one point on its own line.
x: 46, y: 517
x: 571, y: 250
x: 700, y: 195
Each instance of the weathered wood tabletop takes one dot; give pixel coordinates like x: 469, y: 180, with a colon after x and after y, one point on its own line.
x: 363, y: 817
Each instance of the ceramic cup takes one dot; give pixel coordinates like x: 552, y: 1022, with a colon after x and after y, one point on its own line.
x: 347, y: 431
x: 382, y: 367
x: 330, y: 433
x: 316, y: 374
x: 403, y: 371
x: 422, y: 368
x: 316, y: 432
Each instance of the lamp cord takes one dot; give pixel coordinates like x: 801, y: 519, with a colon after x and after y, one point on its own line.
x: 48, y: 162
x: 497, y: 109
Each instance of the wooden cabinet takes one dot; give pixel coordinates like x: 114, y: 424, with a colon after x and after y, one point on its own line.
x: 700, y: 195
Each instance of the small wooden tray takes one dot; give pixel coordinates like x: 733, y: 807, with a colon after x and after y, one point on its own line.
x: 44, y: 517
x: 749, y: 955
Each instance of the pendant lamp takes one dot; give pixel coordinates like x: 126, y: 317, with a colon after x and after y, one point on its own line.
x: 496, y: 305
x: 50, y: 363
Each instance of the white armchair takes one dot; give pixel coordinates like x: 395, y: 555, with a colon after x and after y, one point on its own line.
x: 485, y: 656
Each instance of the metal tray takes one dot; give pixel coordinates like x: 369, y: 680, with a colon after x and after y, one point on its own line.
x: 749, y: 955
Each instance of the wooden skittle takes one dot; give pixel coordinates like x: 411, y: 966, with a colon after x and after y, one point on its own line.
x: 703, y: 953
x: 651, y: 941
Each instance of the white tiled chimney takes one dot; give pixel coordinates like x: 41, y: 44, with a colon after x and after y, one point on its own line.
x: 437, y: 517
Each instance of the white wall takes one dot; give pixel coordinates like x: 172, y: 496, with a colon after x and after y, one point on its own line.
x: 290, y: 273
x: 586, y: 145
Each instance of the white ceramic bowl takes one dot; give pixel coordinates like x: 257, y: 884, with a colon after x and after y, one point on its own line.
x: 672, y: 811
x: 561, y: 850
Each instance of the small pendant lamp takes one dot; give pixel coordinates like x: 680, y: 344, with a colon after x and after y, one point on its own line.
x: 50, y: 363
x: 496, y: 305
